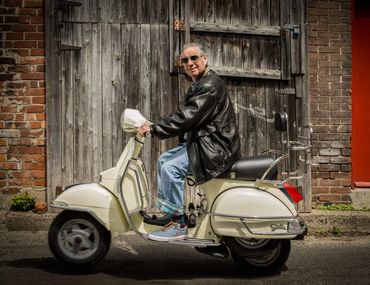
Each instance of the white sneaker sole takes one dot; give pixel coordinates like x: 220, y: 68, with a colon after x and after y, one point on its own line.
x: 159, y: 238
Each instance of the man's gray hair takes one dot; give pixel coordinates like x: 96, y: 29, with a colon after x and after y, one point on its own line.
x: 197, y: 45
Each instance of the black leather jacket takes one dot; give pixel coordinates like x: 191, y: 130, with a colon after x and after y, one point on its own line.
x: 209, y: 122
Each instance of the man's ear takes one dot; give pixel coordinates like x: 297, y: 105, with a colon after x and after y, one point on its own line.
x: 205, y: 59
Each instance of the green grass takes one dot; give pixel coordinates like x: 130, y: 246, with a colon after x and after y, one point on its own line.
x: 339, y: 207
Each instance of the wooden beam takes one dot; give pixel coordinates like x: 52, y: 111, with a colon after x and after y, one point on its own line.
x: 249, y: 73
x: 235, y: 29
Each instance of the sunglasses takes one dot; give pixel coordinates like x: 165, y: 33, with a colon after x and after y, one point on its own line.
x: 193, y: 58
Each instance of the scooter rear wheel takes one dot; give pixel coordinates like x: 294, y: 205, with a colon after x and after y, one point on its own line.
x: 76, y: 238
x: 259, y: 256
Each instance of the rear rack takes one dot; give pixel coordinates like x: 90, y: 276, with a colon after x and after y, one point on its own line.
x: 301, y: 146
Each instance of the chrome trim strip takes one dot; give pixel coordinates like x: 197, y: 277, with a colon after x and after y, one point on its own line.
x: 195, y: 242
x: 253, y: 217
x: 76, y: 209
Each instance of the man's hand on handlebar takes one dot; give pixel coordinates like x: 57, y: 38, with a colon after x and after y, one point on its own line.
x: 143, y: 129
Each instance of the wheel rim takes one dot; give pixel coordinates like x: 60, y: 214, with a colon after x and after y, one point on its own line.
x: 78, y: 238
x: 267, y: 259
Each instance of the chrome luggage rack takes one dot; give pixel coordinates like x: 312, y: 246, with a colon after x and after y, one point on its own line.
x: 301, y: 146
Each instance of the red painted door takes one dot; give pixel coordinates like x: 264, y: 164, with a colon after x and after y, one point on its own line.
x: 361, y: 93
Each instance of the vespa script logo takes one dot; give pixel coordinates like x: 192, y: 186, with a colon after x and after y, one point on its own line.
x: 275, y: 227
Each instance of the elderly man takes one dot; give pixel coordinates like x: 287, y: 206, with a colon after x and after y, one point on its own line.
x: 208, y: 123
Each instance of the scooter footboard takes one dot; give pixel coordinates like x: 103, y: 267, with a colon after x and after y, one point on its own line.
x: 97, y: 201
x: 252, y: 213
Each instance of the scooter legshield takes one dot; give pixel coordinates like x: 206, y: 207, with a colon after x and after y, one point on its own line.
x: 96, y: 200
x: 252, y: 213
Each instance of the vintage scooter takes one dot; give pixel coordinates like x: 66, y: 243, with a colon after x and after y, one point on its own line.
x: 247, y: 212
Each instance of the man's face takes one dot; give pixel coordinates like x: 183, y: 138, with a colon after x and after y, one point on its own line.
x: 194, y: 64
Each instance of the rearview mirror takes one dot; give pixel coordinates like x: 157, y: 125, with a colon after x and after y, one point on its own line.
x: 281, y: 121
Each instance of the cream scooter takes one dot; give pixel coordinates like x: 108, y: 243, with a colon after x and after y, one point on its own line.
x: 247, y: 212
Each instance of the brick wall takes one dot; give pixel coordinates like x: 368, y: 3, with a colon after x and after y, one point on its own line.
x: 329, y: 60
x: 22, y: 97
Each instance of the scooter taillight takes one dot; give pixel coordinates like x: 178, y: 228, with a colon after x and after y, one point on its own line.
x: 293, y: 192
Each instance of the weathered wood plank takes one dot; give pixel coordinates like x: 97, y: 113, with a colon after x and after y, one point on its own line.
x: 154, y: 103
x: 145, y: 88
x: 96, y: 100
x: 107, y: 58
x: 83, y: 170
x: 251, y: 73
x: 67, y: 110
x: 235, y: 29
x: 285, y: 40
x: 79, y: 103
x: 118, y: 98
x: 53, y: 101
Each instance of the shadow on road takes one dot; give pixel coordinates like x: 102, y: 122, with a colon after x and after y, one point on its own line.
x: 140, y: 269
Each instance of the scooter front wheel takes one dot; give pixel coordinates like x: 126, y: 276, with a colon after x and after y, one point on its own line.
x: 256, y: 256
x: 76, y: 238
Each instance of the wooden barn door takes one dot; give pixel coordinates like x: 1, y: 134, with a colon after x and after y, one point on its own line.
x: 102, y: 56
x: 258, y: 47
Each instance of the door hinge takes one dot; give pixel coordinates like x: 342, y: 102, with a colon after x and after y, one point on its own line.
x: 179, y: 25
x: 295, y: 30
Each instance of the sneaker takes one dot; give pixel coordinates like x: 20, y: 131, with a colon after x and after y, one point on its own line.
x: 171, y: 231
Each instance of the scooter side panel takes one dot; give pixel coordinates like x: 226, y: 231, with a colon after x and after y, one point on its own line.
x: 249, y: 212
x: 96, y: 200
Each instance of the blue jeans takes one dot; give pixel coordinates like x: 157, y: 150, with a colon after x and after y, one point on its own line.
x: 172, y: 169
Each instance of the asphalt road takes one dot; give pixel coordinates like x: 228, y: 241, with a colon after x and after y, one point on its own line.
x: 26, y: 259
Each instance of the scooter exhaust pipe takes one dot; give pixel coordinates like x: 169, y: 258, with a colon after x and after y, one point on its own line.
x: 220, y: 251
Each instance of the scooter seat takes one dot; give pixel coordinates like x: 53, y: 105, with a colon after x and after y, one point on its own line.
x: 251, y: 168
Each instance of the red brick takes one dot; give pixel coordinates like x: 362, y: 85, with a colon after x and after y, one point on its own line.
x: 33, y: 76
x: 30, y: 150
x: 17, y: 19
x: 21, y: 142
x: 40, y: 182
x: 8, y: 109
x: 8, y: 165
x: 11, y: 190
x: 21, y: 181
x: 25, y: 44
x: 12, y: 3
x: 34, y: 109
x: 329, y: 197
x: 38, y: 100
x: 27, y: 11
x: 21, y: 51
x: 37, y: 52
x: 32, y: 60
x: 41, y: 44
x: 14, y: 36
x: 34, y: 36
x: 33, y: 166
x: 6, y: 117
x: 23, y: 28
x: 33, y: 3
x: 35, y: 92
x: 36, y: 125
x: 40, y: 68
x: 37, y: 20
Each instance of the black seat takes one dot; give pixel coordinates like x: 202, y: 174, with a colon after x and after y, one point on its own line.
x: 251, y: 168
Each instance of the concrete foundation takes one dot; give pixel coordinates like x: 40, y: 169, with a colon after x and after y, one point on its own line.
x: 360, y: 198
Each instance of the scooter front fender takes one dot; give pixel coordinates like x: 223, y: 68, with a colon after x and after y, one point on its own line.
x: 96, y: 200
